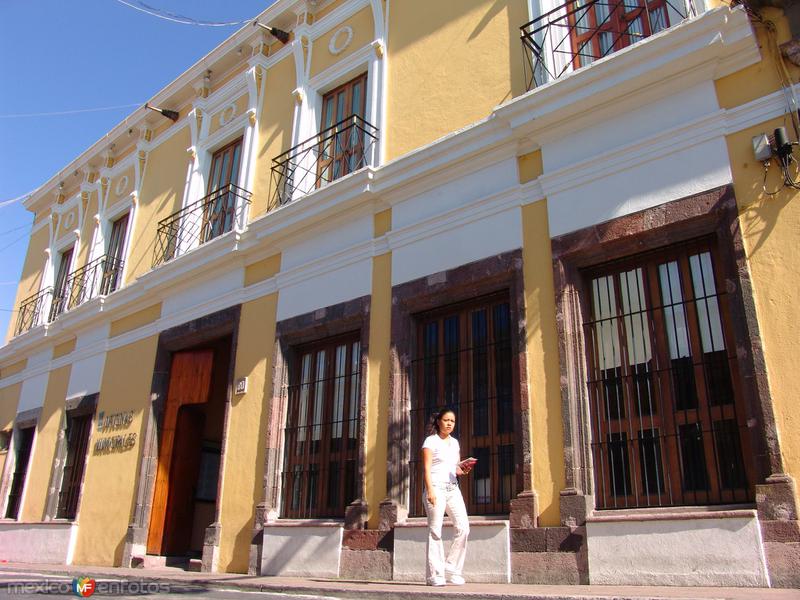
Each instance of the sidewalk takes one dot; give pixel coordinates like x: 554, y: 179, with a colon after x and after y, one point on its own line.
x: 395, y: 591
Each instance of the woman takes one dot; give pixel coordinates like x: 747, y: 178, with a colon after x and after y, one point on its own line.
x: 441, y: 457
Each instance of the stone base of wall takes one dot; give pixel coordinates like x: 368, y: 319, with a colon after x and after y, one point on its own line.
x: 782, y: 547
x: 549, y: 556
x: 546, y: 568
x: 367, y: 554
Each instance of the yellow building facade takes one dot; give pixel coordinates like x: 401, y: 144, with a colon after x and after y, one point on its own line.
x: 574, y: 226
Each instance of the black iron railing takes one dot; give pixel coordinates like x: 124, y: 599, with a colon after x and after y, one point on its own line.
x: 97, y: 278
x: 200, y: 222
x: 577, y: 33
x: 32, y: 311
x: 333, y: 153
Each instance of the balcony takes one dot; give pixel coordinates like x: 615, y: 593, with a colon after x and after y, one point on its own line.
x: 98, y: 278
x: 334, y: 152
x: 577, y: 33
x: 32, y: 311
x: 200, y: 222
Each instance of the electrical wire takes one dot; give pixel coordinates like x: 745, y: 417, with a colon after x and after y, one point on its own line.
x: 176, y: 18
x: 20, y: 238
x: 18, y: 198
x: 69, y: 112
x: 7, y: 231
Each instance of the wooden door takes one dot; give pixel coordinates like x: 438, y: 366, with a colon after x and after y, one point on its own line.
x: 342, y: 131
x: 189, y: 383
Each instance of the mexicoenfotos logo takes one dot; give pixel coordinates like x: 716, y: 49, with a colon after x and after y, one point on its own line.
x: 84, y: 586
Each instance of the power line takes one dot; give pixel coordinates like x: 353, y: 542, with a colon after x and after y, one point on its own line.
x: 23, y: 236
x: 17, y: 199
x: 176, y: 18
x: 69, y: 112
x: 7, y: 231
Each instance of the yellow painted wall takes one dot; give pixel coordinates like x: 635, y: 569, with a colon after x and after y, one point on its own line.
x: 13, y: 368
x: 530, y: 166
x: 243, y: 469
x: 64, y: 348
x: 109, y: 488
x: 378, y: 369
x: 327, y: 9
x: 769, y: 226
x: 9, y: 399
x: 262, y: 269
x: 240, y: 105
x: 448, y: 70
x: 87, y: 227
x: 544, y: 371
x: 44, y: 448
x: 67, y: 216
x: 31, y: 278
x: 275, y: 130
x: 124, y: 190
x: 762, y: 78
x: 162, y: 193
x: 363, y: 32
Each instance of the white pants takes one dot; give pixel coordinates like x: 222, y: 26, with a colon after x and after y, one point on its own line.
x: 448, y: 498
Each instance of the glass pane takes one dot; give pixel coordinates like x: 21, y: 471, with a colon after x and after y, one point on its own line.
x: 705, y: 293
x: 481, y: 478
x: 431, y: 377
x: 451, y: 360
x: 305, y: 388
x: 355, y: 389
x: 503, y: 372
x: 682, y: 367
x: 340, y: 367
x: 619, y: 470
x: 480, y: 374
x: 693, y: 459
x: 650, y: 461
x: 319, y: 396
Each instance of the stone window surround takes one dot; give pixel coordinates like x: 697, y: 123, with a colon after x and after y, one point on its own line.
x: 348, y: 316
x: 181, y: 337
x: 713, y: 212
x: 498, y: 273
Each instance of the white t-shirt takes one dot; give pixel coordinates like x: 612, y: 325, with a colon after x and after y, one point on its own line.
x: 446, y: 454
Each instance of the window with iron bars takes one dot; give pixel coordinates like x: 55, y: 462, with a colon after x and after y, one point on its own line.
x: 23, y: 443
x: 464, y: 361
x: 668, y: 428
x: 78, y: 430
x: 322, y: 435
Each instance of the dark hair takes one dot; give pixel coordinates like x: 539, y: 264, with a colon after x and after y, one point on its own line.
x: 433, y: 426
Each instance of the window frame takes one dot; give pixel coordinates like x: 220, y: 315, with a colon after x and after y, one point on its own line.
x: 295, y: 501
x: 668, y: 421
x: 499, y: 499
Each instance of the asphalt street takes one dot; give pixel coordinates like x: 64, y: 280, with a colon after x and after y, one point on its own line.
x: 20, y: 585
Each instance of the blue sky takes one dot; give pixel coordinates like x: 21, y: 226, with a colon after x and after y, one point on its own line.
x: 57, y: 55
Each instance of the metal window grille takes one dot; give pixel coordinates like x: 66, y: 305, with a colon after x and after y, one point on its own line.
x: 323, y: 430
x: 463, y: 361
x: 667, y: 425
x: 200, y: 222
x: 33, y: 311
x: 339, y: 150
x: 78, y: 431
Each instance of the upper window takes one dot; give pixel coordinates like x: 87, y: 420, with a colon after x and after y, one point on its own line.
x: 342, y: 131
x: 60, y: 288
x: 322, y: 433
x: 667, y: 423
x: 600, y: 27
x: 115, y: 255
x: 219, y: 207
x: 463, y: 361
